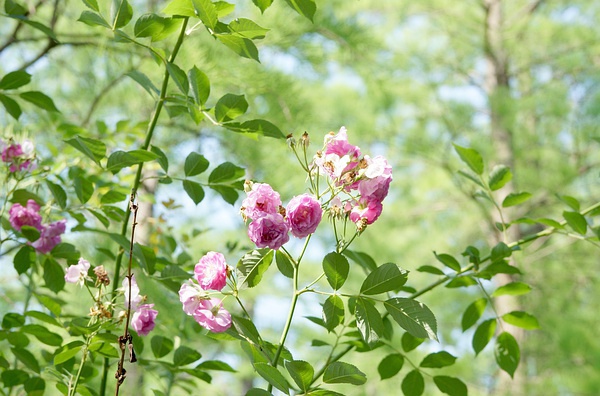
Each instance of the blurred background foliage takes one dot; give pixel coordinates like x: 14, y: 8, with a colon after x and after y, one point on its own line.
x: 407, y: 79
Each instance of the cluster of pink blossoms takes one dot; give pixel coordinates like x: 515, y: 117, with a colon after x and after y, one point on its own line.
x: 29, y: 215
x: 354, y: 173
x: 18, y: 157
x: 210, y: 273
x: 271, y: 223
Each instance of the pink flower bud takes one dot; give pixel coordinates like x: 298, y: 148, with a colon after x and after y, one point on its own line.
x: 143, y: 319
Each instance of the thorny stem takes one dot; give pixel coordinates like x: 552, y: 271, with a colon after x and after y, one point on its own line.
x: 126, y: 337
x: 138, y: 176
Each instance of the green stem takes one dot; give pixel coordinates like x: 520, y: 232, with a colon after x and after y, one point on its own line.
x: 138, y: 177
x: 83, y: 358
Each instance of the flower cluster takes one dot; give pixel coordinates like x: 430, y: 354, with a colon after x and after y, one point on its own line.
x: 29, y: 215
x: 18, y: 157
x: 271, y: 223
x: 366, y: 180
x: 211, y: 274
x: 144, y: 316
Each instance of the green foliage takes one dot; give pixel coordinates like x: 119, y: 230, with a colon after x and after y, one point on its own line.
x: 336, y: 268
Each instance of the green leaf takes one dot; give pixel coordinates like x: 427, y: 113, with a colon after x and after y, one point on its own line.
x: 230, y: 106
x: 448, y: 261
x: 450, y: 385
x: 385, y: 278
x: 368, y: 321
x: 336, y: 268
x: 59, y: 194
x: 12, y: 378
x: 113, y: 196
x: 162, y: 159
x: 42, y: 334
x: 195, y: 164
x: 144, y: 82
x: 258, y: 392
x: 521, y: 319
x: 258, y: 126
x: 499, y: 176
x: 262, y: 4
x: 180, y: 7
x: 122, y: 159
x: 362, y: 259
x: 438, y: 360
x: 273, y: 376
x: 53, y: 304
x: 200, y: 85
x: 473, y: 313
x: 572, y: 202
x: 14, y: 80
x: 390, y: 365
x: 333, y: 312
x: 247, y: 28
x: 161, y: 346
x: 240, y: 45
x: 306, y: 8
x: 301, y: 372
x: 576, y: 221
x: 430, y: 269
x: 226, y: 172
x: 179, y: 77
x: 207, y: 12
x: 500, y: 252
x: 93, y: 4
x: 461, y: 281
x: 513, y: 199
x: 229, y: 194
x: 22, y: 196
x: 122, y: 13
x: 11, y: 106
x: 484, y: 333
x: 215, y: 365
x: 145, y: 256
x: 184, y: 356
x: 13, y: 8
x: 507, y: 353
x: 343, y: 373
x: 12, y: 320
x: 92, y: 148
x: 470, y: 157
x: 93, y: 19
x: 31, y: 233
x: 39, y: 99
x: 224, y: 8
x: 83, y: 188
x: 284, y: 264
x: 410, y: 342
x: 246, y: 328
x: 512, y: 289
x: 27, y: 358
x: 44, y: 317
x: 413, y: 317
x: 413, y: 384
x: 35, y: 386
x: 253, y: 265
x: 24, y: 259
x: 155, y: 27
x: 54, y: 275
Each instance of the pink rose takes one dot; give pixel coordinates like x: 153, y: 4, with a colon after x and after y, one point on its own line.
x: 143, y: 319
x: 190, y: 296
x: 376, y: 180
x: 368, y: 210
x: 212, y: 316
x: 304, y: 215
x: 50, y: 236
x: 338, y: 144
x: 261, y: 200
x: 11, y: 152
x: 270, y: 231
x: 211, y: 271
x: 78, y: 272
x: 18, y: 156
x: 29, y: 215
x: 136, y: 298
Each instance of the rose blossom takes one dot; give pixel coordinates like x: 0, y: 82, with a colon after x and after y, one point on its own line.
x: 18, y: 156
x: 211, y: 315
x: 368, y: 210
x: 338, y: 144
x: 211, y: 271
x: 261, y: 200
x: 29, y: 215
x: 143, y: 319
x: 303, y: 214
x: 136, y: 298
x: 270, y: 231
x: 190, y: 296
x: 78, y: 272
x: 50, y: 236
x: 377, y: 178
